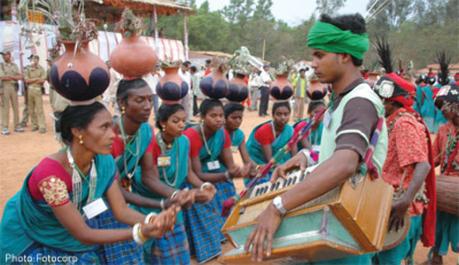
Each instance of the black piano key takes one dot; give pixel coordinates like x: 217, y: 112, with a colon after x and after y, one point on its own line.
x: 294, y: 180
x: 263, y: 191
x: 289, y: 182
x: 302, y: 178
x: 277, y: 185
x: 284, y: 184
x: 272, y: 187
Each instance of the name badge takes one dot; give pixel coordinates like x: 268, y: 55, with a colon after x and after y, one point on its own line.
x: 327, y: 119
x: 234, y: 149
x: 164, y: 161
x: 213, y: 165
x: 94, y: 208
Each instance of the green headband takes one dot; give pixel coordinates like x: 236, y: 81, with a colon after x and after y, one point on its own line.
x: 329, y: 38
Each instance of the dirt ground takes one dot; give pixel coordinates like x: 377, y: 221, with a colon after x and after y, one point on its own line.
x: 19, y: 152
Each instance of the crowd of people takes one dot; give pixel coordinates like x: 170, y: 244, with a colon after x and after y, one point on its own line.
x: 124, y: 191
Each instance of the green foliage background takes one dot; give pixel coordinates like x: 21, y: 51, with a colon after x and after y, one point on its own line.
x: 417, y: 29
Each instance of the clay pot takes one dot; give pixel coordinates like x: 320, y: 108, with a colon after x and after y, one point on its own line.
x: 316, y: 90
x: 281, y: 89
x: 133, y: 57
x: 171, y: 88
x: 215, y: 85
x: 79, y: 77
x: 237, y: 90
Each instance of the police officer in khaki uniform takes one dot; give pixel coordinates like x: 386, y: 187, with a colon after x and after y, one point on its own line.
x: 9, y: 74
x: 35, y: 76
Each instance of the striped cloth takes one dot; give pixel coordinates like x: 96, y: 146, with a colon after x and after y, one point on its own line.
x: 127, y: 252
x: 202, y: 224
x: 171, y: 249
x: 225, y: 190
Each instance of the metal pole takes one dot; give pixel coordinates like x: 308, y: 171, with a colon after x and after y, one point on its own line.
x: 21, y: 52
x: 185, y: 37
x: 155, y: 21
x: 264, y: 50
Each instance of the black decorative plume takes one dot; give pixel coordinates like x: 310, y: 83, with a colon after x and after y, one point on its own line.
x: 385, y: 58
x: 443, y: 60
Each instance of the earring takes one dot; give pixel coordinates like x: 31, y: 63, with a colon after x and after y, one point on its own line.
x: 123, y: 109
x: 163, y: 129
x: 81, y: 139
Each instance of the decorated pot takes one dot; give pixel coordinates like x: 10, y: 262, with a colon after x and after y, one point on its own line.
x: 171, y: 88
x: 281, y: 89
x: 316, y: 90
x: 79, y: 76
x: 237, y: 90
x: 215, y: 85
x: 133, y: 57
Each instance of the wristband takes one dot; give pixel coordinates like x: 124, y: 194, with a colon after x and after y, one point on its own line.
x: 174, y: 194
x: 227, y: 176
x: 205, y: 185
x: 137, y: 235
x: 149, y: 216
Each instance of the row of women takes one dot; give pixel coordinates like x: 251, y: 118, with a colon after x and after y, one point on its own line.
x: 118, y: 193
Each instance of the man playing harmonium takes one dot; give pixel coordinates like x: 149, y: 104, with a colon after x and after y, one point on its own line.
x: 338, y: 46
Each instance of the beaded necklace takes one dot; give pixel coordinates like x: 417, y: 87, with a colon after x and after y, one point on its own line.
x: 162, y: 145
x: 77, y: 176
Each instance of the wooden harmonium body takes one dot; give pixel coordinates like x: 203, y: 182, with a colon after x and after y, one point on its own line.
x: 349, y: 220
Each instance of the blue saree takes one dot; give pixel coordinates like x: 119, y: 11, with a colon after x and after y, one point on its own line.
x: 314, y: 137
x: 30, y: 228
x: 255, y: 149
x: 127, y: 252
x: 172, y: 248
x: 203, y: 221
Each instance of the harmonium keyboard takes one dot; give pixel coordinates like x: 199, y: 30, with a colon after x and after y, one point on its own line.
x: 351, y: 219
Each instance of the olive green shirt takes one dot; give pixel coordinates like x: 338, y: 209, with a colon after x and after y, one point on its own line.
x: 34, y: 73
x: 9, y: 69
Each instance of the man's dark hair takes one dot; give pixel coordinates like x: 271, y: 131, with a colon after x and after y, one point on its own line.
x: 355, y: 23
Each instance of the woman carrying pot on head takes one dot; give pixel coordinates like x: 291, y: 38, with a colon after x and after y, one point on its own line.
x: 270, y: 136
x: 132, y: 150
x: 233, y: 120
x: 171, y: 167
x: 312, y: 141
x: 52, y: 214
x: 212, y: 161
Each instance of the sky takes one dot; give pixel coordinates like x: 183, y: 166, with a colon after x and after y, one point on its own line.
x: 295, y: 11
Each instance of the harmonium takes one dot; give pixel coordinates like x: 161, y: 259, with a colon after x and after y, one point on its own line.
x: 351, y: 219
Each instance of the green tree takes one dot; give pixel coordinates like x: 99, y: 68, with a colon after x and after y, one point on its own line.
x: 263, y: 10
x: 392, y: 14
x: 238, y: 11
x: 329, y: 7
